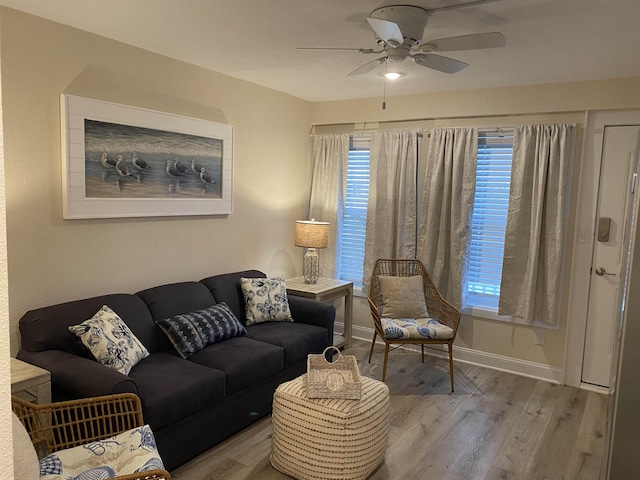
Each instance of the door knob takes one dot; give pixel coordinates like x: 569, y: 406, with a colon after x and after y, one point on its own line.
x: 601, y: 271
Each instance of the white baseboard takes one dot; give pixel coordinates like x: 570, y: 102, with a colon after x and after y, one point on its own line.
x: 594, y: 388
x: 516, y: 366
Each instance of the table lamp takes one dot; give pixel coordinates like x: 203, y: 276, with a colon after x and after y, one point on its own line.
x: 311, y: 235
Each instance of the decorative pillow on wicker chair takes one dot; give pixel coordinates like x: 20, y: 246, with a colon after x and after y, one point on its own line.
x: 129, y: 452
x: 110, y: 340
x: 421, y: 328
x: 265, y: 300
x: 402, y: 297
x: 191, y: 332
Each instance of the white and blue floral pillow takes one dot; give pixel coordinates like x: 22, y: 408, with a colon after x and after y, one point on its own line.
x: 191, y: 332
x: 265, y: 300
x: 110, y: 341
x: 406, y: 328
x: 129, y: 452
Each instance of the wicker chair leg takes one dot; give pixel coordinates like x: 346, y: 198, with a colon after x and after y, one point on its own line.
x: 451, y: 363
x: 422, y: 349
x: 373, y: 343
x: 386, y: 357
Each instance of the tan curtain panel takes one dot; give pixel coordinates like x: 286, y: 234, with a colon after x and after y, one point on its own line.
x: 328, y: 186
x: 536, y: 222
x: 445, y: 219
x: 392, y: 205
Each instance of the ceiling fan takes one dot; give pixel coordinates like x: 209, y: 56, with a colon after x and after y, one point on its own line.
x: 399, y: 30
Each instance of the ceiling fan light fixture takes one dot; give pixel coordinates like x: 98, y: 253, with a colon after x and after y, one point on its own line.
x: 393, y: 75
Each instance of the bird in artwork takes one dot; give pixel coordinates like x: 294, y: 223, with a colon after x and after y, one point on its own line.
x: 108, y: 164
x: 205, y: 177
x: 106, y: 161
x: 122, y: 168
x: 181, y: 168
x: 195, y: 167
x: 137, y: 162
x: 172, y: 171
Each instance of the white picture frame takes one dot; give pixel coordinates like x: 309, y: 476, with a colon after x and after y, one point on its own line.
x: 124, y: 161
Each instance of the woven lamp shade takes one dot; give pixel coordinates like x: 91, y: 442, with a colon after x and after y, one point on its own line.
x: 312, y: 234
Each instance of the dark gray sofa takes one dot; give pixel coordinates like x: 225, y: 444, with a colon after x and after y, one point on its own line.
x: 190, y: 404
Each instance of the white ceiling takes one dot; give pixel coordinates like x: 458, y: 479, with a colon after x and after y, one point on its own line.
x: 548, y: 41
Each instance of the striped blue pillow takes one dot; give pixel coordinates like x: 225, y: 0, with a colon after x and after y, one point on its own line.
x: 191, y: 332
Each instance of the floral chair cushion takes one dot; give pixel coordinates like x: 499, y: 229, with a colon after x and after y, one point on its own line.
x: 408, y: 328
x: 265, y: 300
x: 129, y: 452
x: 110, y: 340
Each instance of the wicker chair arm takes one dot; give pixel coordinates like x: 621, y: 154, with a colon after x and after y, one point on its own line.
x: 376, y: 315
x: 449, y: 315
x: 148, y: 475
x: 76, y: 422
x: 68, y: 424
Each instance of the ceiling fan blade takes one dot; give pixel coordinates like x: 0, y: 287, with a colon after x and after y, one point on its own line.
x: 338, y: 49
x: 386, y: 30
x: 438, y: 62
x: 369, y: 66
x: 467, y: 42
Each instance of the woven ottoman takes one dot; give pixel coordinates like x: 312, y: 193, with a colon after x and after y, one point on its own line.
x: 327, y: 438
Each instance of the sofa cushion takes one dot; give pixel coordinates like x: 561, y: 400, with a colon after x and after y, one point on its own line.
x: 47, y: 328
x: 226, y: 288
x: 171, y: 388
x: 244, y: 361
x: 265, y: 300
x: 297, y: 339
x: 165, y: 301
x: 191, y: 332
x: 110, y: 341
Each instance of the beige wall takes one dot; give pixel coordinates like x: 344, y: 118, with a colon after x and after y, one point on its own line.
x: 566, y: 103
x: 6, y: 441
x: 53, y: 260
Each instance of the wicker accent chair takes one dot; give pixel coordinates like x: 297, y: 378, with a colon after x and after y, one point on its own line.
x: 438, y: 308
x: 57, y: 426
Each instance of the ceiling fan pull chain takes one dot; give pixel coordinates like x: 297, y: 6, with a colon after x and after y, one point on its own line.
x: 384, y: 87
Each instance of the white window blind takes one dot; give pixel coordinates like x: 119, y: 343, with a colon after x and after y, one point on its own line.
x: 493, y: 177
x: 354, y: 223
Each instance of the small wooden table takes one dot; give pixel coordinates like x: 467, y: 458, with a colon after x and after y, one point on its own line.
x: 327, y: 289
x: 29, y: 382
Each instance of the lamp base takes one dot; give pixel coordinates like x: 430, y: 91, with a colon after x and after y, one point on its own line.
x: 311, y: 266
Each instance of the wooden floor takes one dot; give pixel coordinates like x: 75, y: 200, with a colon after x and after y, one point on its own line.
x: 495, y: 426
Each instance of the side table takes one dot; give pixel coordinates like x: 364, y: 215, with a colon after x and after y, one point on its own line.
x: 29, y: 382
x: 328, y: 289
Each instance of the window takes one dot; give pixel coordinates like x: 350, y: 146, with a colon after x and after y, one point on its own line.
x: 493, y: 177
x: 354, y: 224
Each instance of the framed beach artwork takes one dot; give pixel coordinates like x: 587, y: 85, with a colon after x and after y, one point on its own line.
x: 123, y: 161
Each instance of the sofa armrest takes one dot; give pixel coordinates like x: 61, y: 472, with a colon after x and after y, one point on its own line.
x: 77, y: 377
x: 313, y: 312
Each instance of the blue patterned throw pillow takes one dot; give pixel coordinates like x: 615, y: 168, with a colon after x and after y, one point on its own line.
x: 265, y: 300
x: 191, y: 332
x: 110, y: 340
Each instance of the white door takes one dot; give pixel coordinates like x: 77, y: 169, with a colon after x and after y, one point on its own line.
x: 618, y: 155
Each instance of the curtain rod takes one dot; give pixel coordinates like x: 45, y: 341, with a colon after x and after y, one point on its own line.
x: 506, y: 129
x: 464, y: 117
